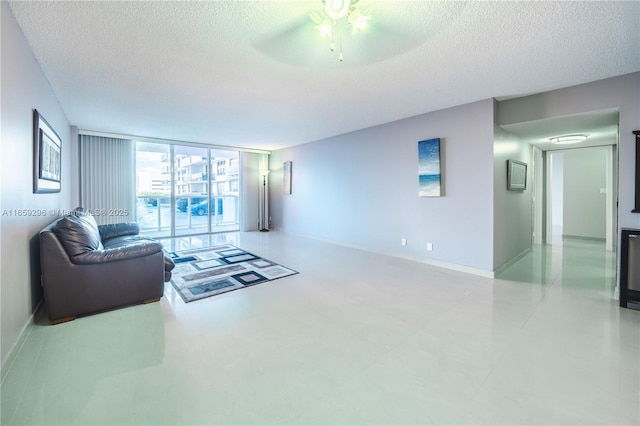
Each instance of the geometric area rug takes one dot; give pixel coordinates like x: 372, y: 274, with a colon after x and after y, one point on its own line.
x: 205, y: 272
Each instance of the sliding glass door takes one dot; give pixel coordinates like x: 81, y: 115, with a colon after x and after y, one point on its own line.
x: 153, y: 188
x: 186, y: 189
x: 191, y: 189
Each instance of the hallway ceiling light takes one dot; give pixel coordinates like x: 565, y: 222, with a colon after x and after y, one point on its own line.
x: 568, y: 139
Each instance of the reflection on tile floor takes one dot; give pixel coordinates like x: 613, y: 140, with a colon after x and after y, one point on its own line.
x: 355, y: 338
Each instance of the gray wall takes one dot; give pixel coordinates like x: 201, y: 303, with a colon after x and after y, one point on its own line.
x: 512, y: 226
x: 361, y: 189
x: 24, y: 88
x: 584, y: 206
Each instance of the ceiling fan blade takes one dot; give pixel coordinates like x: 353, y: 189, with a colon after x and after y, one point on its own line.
x: 295, y: 44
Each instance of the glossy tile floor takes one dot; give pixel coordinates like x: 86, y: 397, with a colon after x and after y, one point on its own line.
x: 355, y: 338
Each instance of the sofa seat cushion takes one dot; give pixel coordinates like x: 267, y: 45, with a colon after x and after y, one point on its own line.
x: 78, y: 234
x: 136, y: 240
x: 126, y: 240
x: 122, y: 252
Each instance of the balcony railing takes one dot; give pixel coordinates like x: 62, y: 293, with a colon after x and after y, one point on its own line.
x: 191, y: 215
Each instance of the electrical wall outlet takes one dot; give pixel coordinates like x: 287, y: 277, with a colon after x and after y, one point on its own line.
x: 404, y: 241
x: 429, y: 246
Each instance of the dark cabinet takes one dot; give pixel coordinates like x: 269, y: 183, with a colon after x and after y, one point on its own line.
x: 630, y: 268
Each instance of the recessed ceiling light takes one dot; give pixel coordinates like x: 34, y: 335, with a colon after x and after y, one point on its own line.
x: 568, y: 139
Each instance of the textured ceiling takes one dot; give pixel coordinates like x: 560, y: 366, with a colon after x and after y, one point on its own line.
x: 255, y: 73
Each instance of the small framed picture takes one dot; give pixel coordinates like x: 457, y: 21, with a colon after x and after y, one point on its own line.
x: 47, y: 156
x: 286, y: 177
x: 516, y: 175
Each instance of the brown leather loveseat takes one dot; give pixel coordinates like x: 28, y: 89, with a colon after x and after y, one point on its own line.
x: 88, y: 268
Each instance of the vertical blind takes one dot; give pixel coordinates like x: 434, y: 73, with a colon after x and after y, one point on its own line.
x: 107, y: 178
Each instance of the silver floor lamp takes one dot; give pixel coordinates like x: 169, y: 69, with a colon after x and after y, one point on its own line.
x: 265, y: 213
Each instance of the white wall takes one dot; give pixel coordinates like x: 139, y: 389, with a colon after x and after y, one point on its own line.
x: 585, y: 174
x: 23, y: 88
x: 361, y: 189
x: 512, y: 226
x: 557, y: 185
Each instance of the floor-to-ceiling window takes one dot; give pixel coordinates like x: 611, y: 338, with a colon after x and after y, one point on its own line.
x: 186, y: 189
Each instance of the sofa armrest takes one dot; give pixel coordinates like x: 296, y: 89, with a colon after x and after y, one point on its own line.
x: 139, y: 249
x: 118, y: 230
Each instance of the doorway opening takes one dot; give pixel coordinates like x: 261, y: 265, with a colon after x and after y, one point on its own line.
x: 580, y: 194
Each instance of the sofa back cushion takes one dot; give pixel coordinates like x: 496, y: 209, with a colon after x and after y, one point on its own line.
x: 78, y: 234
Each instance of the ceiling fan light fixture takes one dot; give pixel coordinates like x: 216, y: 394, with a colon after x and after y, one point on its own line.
x: 567, y: 139
x: 337, y: 9
x: 335, y: 16
x: 325, y: 28
x: 358, y: 20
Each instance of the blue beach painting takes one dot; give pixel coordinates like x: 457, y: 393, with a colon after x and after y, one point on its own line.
x: 429, y: 167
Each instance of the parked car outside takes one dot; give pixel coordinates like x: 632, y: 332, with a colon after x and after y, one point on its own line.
x: 182, y: 203
x: 154, y: 200
x: 202, y: 208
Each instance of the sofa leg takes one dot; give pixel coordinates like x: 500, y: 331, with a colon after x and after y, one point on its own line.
x: 61, y: 320
x: 155, y: 299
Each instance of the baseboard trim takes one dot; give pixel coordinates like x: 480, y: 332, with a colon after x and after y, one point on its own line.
x: 511, y: 262
x: 453, y: 266
x: 17, y: 346
x: 446, y: 265
x: 581, y: 237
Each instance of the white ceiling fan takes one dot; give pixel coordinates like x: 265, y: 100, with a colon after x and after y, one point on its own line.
x: 356, y: 32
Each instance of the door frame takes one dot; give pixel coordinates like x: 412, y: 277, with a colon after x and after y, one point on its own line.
x: 611, y: 214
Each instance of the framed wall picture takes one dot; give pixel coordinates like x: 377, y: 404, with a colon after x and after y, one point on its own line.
x: 286, y: 177
x: 47, y: 156
x: 516, y: 175
x: 429, y: 182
